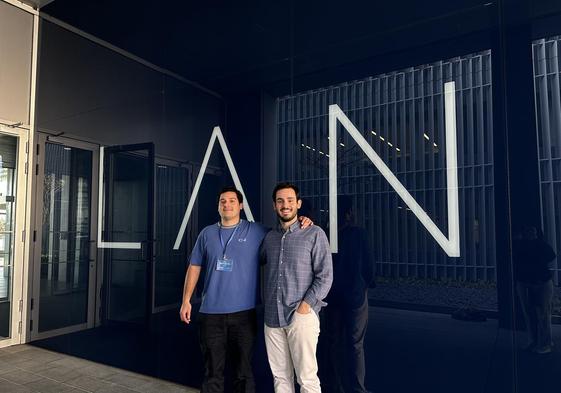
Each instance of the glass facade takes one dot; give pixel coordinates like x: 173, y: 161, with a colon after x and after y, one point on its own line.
x: 65, y: 243
x: 402, y: 116
x: 414, y: 318
x: 173, y: 185
x: 548, y: 124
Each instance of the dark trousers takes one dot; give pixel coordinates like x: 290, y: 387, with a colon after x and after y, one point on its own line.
x: 535, y: 299
x: 346, y: 328
x: 228, y: 336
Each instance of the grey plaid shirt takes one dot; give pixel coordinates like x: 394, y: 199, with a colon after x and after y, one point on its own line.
x: 298, y: 267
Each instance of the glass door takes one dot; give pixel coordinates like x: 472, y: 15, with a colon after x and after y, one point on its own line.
x: 174, y: 186
x: 65, y: 256
x: 12, y: 211
x: 127, y: 237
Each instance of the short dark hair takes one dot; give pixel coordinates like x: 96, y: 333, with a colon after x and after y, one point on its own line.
x: 239, y: 195
x: 282, y: 186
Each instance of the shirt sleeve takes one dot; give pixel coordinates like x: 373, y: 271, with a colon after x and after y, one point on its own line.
x: 198, y: 254
x: 322, y: 267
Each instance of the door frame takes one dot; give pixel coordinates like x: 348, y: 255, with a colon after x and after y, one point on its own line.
x: 18, y: 257
x: 42, y: 140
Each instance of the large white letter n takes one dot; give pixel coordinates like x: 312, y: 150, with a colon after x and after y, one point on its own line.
x: 450, y: 244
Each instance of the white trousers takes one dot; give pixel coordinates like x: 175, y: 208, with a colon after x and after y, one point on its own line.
x: 293, y: 348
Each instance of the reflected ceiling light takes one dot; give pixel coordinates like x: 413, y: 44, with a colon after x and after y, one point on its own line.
x: 435, y: 145
x: 308, y: 147
x: 382, y: 138
x: 389, y: 144
x: 397, y: 148
x: 313, y: 149
x: 426, y: 137
x: 342, y: 144
x: 373, y: 132
x: 320, y: 152
x: 302, y: 145
x: 67, y: 148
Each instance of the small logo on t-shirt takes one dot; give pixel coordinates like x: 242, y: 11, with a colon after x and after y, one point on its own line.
x: 241, y: 240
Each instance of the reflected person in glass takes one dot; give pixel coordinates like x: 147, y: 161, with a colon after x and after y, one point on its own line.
x: 532, y: 271
x: 346, y: 316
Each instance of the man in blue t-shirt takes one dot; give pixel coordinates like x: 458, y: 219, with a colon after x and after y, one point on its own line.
x: 229, y: 253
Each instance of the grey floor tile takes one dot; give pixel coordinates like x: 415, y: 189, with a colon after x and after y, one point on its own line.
x: 45, y: 385
x: 9, y: 387
x: 27, y: 369
x: 6, y: 367
x: 20, y: 377
x: 130, y: 381
x: 60, y: 373
x: 89, y: 383
x: 157, y: 386
x: 15, y: 349
x: 115, y: 389
x: 71, y: 362
x: 34, y: 366
x: 99, y: 371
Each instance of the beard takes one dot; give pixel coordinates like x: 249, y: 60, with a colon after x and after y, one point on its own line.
x: 287, y: 218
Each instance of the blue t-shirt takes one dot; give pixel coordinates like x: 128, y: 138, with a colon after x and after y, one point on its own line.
x: 232, y: 286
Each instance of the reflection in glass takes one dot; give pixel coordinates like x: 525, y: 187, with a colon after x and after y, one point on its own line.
x: 8, y: 160
x: 126, y: 220
x: 65, y: 243
x: 346, y: 317
x: 171, y: 202
x: 547, y: 71
x: 401, y: 115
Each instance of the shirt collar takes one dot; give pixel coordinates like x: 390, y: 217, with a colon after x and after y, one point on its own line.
x: 291, y: 228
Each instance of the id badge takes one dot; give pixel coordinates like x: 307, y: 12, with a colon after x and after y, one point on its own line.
x: 224, y: 265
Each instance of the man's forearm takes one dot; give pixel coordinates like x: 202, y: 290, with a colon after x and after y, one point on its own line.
x: 191, y: 279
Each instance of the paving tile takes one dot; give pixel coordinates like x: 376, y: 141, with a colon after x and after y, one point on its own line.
x: 19, y: 357
x: 130, y: 381
x: 15, y: 349
x: 20, y: 377
x: 6, y: 367
x: 89, y: 383
x: 45, y: 385
x: 42, y: 355
x: 61, y: 373
x: 7, y: 386
x: 34, y: 366
x: 164, y: 387
x: 27, y: 369
x: 71, y: 362
x: 99, y: 371
x: 114, y: 388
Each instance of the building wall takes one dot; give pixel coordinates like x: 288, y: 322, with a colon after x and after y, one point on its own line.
x: 93, y: 93
x: 16, y: 30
